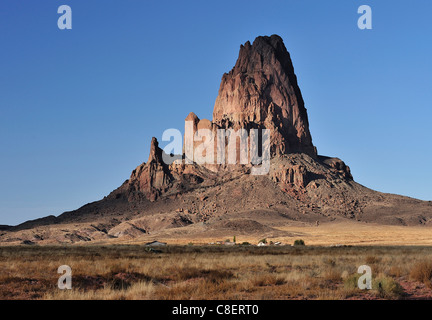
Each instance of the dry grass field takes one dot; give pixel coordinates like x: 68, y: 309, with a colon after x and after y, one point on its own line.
x: 215, y: 272
x: 326, y: 234
x: 356, y: 233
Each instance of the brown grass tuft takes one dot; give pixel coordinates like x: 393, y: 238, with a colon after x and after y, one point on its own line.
x: 422, y: 271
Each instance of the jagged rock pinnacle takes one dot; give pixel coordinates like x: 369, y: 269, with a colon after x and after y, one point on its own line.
x: 262, y: 91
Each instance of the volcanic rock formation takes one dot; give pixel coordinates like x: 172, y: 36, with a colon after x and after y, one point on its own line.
x: 180, y: 199
x: 262, y: 91
x: 149, y: 179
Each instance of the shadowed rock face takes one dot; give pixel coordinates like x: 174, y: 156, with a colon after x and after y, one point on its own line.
x: 262, y: 91
x: 149, y: 179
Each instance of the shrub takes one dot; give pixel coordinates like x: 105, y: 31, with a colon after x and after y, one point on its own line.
x: 263, y: 240
x: 372, y: 260
x: 187, y: 273
x: 245, y: 243
x: 351, y: 282
x: 267, y: 280
x: 382, y: 286
x: 422, y: 272
x: 387, y: 287
x: 330, y: 262
x: 299, y: 242
x: 332, y: 275
x: 395, y: 271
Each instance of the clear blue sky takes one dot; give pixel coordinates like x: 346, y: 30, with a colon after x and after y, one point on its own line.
x: 78, y: 107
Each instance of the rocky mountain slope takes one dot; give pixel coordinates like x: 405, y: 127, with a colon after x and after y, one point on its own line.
x: 181, y: 199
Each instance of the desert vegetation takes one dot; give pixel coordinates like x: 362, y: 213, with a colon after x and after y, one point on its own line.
x: 215, y: 272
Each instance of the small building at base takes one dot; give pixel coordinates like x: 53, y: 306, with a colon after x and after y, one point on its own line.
x: 155, y: 244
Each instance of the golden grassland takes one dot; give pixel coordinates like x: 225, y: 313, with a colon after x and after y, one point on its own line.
x: 215, y: 272
x: 326, y: 234
x: 356, y: 233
